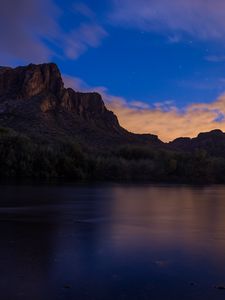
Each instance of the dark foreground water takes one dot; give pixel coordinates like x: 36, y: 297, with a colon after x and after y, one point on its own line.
x: 113, y: 242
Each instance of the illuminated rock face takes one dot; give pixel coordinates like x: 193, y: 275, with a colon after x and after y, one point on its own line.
x: 43, y: 86
x: 45, y: 83
x: 33, y: 100
x: 26, y: 82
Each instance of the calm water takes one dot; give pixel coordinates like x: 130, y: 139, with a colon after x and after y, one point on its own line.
x: 112, y: 242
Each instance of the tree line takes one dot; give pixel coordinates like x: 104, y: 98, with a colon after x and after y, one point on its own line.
x: 22, y: 157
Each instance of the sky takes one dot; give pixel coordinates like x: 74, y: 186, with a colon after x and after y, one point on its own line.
x: 159, y: 64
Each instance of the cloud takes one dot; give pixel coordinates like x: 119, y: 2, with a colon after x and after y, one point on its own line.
x: 75, y: 83
x: 215, y: 58
x: 161, y: 118
x: 23, y: 24
x: 172, y: 122
x: 78, y: 41
x: 202, y: 19
x: 30, y: 30
x: 209, y: 84
x: 83, y: 9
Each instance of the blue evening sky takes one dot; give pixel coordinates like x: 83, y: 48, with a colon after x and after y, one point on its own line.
x: 139, y: 64
x: 159, y: 64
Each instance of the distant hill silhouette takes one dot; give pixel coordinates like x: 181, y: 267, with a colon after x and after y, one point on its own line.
x: 48, y: 131
x: 213, y: 142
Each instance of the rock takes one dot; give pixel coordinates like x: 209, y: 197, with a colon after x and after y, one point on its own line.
x: 45, y: 83
x: 210, y: 135
x: 33, y: 101
x: 26, y: 82
x: 212, y: 142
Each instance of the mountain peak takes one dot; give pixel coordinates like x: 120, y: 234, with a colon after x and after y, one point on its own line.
x: 26, y: 82
x: 33, y: 99
x: 212, y: 133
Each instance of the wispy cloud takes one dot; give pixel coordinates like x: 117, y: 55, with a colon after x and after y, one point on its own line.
x: 210, y: 84
x: 76, y: 83
x: 87, y: 35
x: 215, y: 58
x: 202, y: 19
x: 171, y: 123
x: 27, y: 31
x: 83, y: 9
x: 21, y: 30
x: 164, y: 119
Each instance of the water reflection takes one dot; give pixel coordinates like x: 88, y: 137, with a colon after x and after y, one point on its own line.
x: 113, y: 242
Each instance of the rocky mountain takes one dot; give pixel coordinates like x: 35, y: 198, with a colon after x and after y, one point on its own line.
x: 213, y: 142
x: 34, y: 101
x: 49, y: 131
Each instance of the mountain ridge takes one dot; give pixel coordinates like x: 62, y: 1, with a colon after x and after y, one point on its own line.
x: 37, y: 92
x: 49, y: 131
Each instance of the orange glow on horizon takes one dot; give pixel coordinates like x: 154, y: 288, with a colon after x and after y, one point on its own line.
x: 171, y: 123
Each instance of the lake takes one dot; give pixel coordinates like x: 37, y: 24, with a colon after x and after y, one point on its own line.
x: 112, y: 242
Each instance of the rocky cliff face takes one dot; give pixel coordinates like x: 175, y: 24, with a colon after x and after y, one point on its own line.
x: 33, y: 100
x: 26, y: 82
x: 45, y: 83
